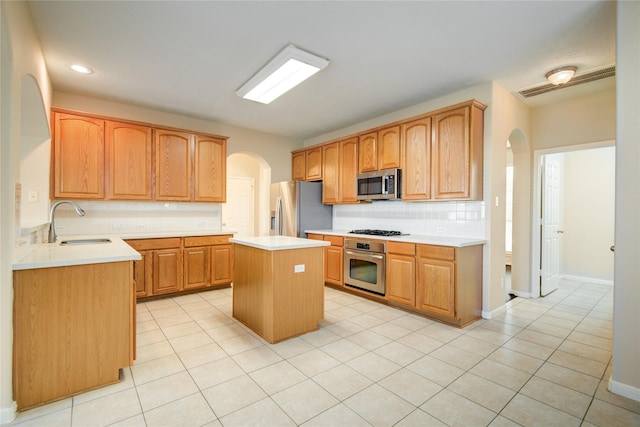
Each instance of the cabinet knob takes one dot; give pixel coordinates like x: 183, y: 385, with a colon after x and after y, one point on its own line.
x: 612, y: 248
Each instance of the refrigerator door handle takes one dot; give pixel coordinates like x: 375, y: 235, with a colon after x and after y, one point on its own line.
x: 279, y: 216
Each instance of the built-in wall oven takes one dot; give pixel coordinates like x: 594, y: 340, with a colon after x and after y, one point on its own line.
x: 364, y: 264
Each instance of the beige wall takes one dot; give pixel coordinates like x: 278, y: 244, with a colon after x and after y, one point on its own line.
x: 21, y: 58
x: 275, y: 150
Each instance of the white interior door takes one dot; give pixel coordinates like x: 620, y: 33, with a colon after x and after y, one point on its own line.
x: 238, y: 212
x: 551, y: 232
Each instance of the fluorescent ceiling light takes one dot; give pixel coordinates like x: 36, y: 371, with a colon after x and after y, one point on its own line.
x: 286, y: 70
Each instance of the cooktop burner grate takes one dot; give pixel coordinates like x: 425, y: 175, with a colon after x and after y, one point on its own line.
x: 377, y: 232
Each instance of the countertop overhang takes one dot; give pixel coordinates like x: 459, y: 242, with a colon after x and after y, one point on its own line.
x: 457, y: 242
x: 278, y: 243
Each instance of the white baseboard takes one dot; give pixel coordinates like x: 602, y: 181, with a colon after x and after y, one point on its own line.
x: 494, y: 313
x: 8, y: 413
x: 588, y: 280
x: 522, y: 294
x: 624, y: 390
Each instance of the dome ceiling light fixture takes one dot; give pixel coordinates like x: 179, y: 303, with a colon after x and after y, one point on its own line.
x: 560, y: 76
x: 81, y: 69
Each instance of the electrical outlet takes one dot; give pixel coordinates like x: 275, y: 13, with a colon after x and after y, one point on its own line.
x: 33, y: 196
x: 298, y: 268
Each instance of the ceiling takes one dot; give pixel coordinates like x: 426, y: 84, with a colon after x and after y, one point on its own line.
x: 190, y: 57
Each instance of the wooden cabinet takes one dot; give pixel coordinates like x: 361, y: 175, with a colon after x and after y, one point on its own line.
x: 167, y: 271
x: 348, y: 171
x: 449, y: 283
x: 142, y: 275
x: 299, y: 166
x: 389, y: 148
x: 333, y: 258
x: 173, y: 165
x: 416, y: 168
x: 457, y: 153
x: 74, y: 329
x: 78, y: 157
x: 128, y: 149
x: 222, y: 263
x: 379, y: 150
x: 401, y: 273
x: 196, y: 267
x: 96, y: 158
x: 210, y: 169
x: 368, y: 152
x: 331, y: 173
x: 208, y: 261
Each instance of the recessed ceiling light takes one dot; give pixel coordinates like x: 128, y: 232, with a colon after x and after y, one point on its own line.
x: 81, y: 69
x: 286, y: 70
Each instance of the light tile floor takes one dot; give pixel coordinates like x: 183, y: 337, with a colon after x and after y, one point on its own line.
x: 543, y: 362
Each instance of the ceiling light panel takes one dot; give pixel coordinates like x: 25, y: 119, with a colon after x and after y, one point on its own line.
x: 286, y: 70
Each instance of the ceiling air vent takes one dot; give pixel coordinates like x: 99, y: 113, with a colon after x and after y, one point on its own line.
x: 576, y: 80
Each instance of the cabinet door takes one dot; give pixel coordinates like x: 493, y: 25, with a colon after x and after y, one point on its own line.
x: 78, y: 157
x: 330, y: 173
x: 167, y: 271
x: 348, y: 170
x: 400, y: 279
x: 173, y: 165
x: 298, y: 166
x: 368, y: 152
x: 221, y: 264
x: 314, y: 164
x: 436, y: 287
x: 142, y: 275
x: 129, y: 151
x: 416, y: 155
x: 333, y: 265
x: 389, y: 152
x: 210, y: 169
x: 451, y: 154
x: 196, y: 267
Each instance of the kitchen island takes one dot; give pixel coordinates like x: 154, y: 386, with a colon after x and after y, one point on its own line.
x: 278, y: 290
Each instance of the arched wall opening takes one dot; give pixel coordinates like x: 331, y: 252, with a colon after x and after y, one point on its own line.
x: 521, y: 214
x: 242, y: 169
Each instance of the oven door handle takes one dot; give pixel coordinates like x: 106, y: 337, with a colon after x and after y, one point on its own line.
x: 364, y: 255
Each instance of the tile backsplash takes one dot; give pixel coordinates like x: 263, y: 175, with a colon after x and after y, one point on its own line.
x: 137, y: 217
x: 451, y: 219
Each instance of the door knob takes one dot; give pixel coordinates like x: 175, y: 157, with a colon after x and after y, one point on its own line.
x: 612, y: 248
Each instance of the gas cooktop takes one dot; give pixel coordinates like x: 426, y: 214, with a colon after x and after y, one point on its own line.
x: 378, y: 232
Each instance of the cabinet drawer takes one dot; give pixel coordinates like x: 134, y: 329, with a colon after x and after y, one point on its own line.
x: 401, y: 248
x: 314, y: 236
x: 437, y: 252
x: 206, y: 240
x: 335, y: 240
x: 144, y: 244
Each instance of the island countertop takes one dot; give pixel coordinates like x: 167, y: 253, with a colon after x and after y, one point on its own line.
x: 278, y: 243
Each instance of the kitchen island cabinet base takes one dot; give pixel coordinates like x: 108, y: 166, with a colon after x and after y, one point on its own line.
x: 272, y: 297
x: 74, y: 329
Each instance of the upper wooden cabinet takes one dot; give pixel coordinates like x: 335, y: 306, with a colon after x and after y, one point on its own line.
x: 457, y: 153
x: 210, y: 169
x: 78, y: 157
x: 129, y: 159
x: 379, y: 150
x: 96, y: 158
x: 314, y: 164
x: 331, y: 173
x: 299, y: 166
x: 348, y: 170
x: 173, y: 165
x: 416, y: 168
x: 368, y: 152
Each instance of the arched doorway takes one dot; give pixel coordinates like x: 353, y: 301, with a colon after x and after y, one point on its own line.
x: 246, y: 209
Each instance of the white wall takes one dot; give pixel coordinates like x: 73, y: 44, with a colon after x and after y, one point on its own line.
x: 589, y: 208
x: 625, y: 378
x: 21, y: 57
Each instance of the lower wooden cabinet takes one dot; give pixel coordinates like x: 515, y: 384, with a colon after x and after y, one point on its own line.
x: 176, y: 264
x: 401, y: 273
x: 333, y: 258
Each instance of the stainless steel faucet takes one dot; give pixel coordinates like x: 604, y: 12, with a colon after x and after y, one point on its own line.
x: 52, y: 230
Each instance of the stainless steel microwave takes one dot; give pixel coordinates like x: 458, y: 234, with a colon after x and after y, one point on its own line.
x: 380, y: 185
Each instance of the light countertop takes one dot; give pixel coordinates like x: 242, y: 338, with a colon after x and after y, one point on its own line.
x: 278, y: 243
x: 56, y: 255
x: 457, y: 242
x: 160, y: 234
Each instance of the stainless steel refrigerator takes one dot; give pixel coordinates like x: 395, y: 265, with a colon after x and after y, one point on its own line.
x: 297, y: 206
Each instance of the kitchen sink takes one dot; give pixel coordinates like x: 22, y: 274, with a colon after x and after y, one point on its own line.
x: 84, y: 242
